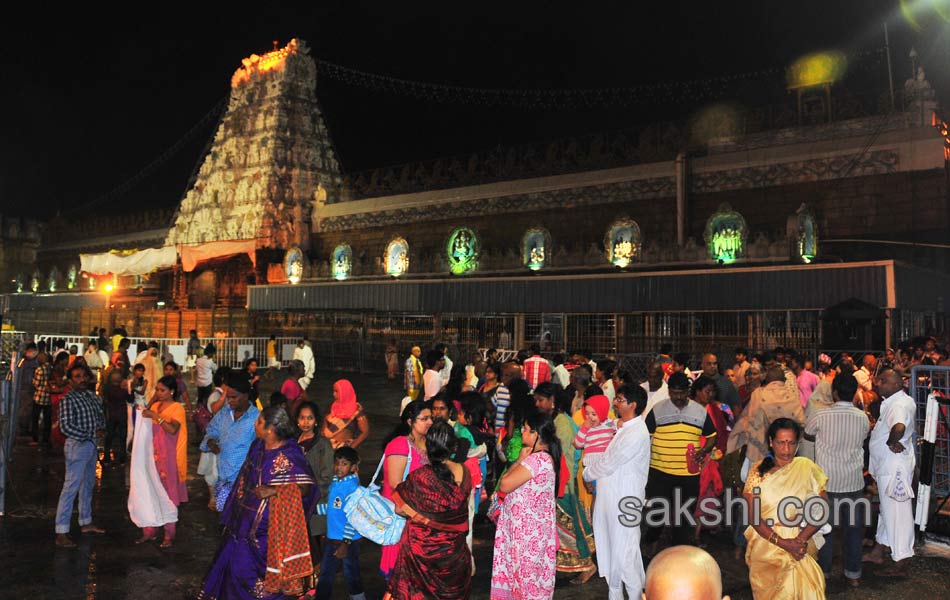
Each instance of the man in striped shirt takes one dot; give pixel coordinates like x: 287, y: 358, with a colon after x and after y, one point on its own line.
x: 502, y: 398
x: 536, y: 368
x: 80, y: 418
x: 839, y: 433
x: 674, y: 425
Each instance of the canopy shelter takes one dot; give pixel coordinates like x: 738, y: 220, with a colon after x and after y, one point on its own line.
x: 144, y: 262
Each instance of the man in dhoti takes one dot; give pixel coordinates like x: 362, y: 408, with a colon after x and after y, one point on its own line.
x: 621, y: 480
x: 304, y: 353
x: 892, y: 465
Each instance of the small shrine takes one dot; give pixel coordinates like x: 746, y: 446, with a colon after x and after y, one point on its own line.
x: 726, y: 235
x: 623, y: 242
x: 462, y: 249
x: 536, y: 248
x: 396, y: 257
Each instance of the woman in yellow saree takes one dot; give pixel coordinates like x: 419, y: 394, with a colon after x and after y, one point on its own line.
x: 781, y: 554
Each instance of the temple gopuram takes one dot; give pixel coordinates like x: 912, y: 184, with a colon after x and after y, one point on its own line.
x: 821, y: 232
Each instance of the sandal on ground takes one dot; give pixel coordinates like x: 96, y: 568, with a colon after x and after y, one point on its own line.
x: 166, y: 544
x: 144, y: 539
x: 65, y: 542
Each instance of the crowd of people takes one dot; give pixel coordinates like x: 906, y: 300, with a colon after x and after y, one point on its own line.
x: 580, y: 465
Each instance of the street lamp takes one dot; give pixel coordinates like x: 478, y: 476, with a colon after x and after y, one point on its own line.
x: 107, y: 288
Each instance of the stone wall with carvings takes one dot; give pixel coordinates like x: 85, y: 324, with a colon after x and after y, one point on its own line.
x: 19, y: 241
x: 879, y: 204
x: 270, y: 161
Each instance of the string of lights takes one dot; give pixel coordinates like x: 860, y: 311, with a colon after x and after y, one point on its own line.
x: 651, y: 93
x: 156, y: 163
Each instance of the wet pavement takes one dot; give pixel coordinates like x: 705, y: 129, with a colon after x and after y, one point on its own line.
x: 112, y: 566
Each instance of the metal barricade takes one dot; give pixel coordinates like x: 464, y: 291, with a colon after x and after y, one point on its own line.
x: 9, y: 406
x: 636, y: 364
x: 933, y: 441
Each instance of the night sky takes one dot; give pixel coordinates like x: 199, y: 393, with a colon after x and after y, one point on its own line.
x: 90, y: 99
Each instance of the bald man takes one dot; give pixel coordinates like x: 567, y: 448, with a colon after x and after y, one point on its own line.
x: 413, y: 373
x: 683, y: 573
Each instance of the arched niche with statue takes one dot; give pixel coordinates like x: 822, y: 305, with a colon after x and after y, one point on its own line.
x: 462, y: 250
x: 623, y: 242
x: 341, y: 262
x: 396, y: 257
x: 536, y: 248
x: 726, y: 235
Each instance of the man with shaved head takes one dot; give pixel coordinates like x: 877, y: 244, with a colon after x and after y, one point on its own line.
x: 727, y: 392
x: 683, y: 573
x: 893, y: 460
x: 656, y: 389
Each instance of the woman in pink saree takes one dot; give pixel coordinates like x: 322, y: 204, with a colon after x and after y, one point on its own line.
x: 159, y: 464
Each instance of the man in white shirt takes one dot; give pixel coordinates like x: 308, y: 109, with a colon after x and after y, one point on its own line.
x: 431, y: 379
x: 446, y: 371
x: 656, y: 389
x: 893, y: 461
x: 560, y: 374
x: 304, y: 354
x: 621, y: 478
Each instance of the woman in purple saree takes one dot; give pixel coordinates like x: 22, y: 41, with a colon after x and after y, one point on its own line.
x: 270, y: 502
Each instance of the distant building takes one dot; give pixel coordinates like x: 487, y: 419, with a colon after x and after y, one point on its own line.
x: 611, y: 243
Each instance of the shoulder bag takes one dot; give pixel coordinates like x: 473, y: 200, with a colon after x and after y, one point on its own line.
x: 373, y: 516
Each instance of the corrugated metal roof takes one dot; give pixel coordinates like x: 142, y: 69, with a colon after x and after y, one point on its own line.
x: 921, y: 289
x: 746, y: 288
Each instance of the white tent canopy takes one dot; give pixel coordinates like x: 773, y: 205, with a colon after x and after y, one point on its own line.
x: 142, y: 262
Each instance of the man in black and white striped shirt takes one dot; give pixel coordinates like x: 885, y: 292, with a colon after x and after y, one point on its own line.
x: 839, y: 433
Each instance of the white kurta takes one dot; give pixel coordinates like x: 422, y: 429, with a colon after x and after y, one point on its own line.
x: 621, y: 473
x: 895, y: 526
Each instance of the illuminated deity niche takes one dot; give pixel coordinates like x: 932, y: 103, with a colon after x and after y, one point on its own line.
x: 807, y: 241
x: 20, y: 282
x: 342, y: 261
x: 51, y: 283
x: 623, y: 242
x: 726, y: 234
x: 396, y: 258
x: 462, y: 250
x: 35, y: 281
x: 293, y: 265
x: 72, y: 275
x: 536, y: 248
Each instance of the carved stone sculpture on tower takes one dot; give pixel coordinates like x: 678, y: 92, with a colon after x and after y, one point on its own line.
x: 257, y: 160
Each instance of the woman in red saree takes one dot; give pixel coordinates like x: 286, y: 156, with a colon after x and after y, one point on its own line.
x: 434, y: 560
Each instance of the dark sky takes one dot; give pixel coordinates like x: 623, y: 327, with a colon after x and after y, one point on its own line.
x: 91, y: 98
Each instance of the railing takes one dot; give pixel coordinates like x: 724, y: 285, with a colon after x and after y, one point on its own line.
x: 9, y: 407
x: 230, y: 352
x: 935, y: 460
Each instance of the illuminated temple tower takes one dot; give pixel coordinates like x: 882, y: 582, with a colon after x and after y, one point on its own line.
x: 270, y: 160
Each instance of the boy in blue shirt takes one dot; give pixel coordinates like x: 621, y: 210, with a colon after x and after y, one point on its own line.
x: 343, y: 542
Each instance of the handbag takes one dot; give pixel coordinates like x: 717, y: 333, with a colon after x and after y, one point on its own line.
x: 730, y: 468
x: 373, y: 516
x: 201, y: 417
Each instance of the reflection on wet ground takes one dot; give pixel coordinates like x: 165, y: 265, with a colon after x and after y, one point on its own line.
x: 111, y: 566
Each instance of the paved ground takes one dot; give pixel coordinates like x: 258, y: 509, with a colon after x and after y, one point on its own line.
x: 111, y: 566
